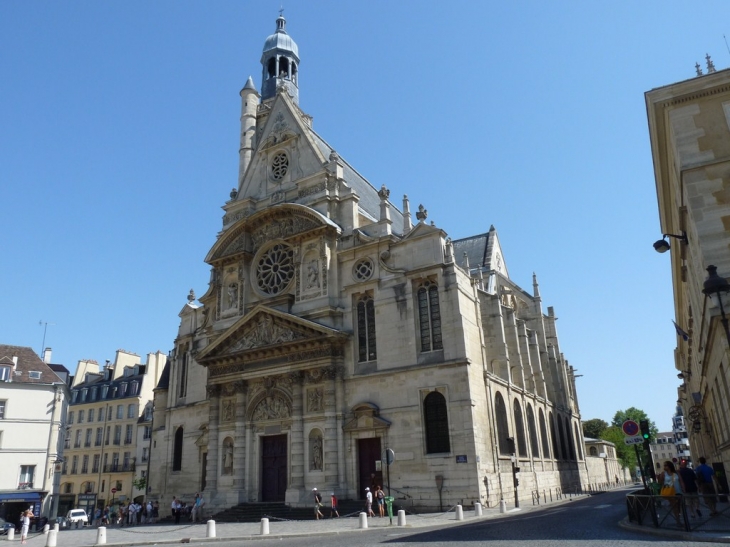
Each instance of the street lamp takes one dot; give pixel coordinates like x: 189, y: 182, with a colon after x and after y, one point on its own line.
x: 713, y: 286
x: 662, y: 245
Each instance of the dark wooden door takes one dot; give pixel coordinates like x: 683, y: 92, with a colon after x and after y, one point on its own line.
x: 273, y: 468
x: 369, y: 452
x: 203, y: 475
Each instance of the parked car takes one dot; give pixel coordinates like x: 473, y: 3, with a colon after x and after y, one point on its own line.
x: 5, y: 526
x: 77, y: 517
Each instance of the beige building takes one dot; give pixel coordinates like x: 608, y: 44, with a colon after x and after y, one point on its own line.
x: 103, y: 455
x: 603, y: 463
x: 689, y: 128
x: 33, y: 400
x: 335, y: 326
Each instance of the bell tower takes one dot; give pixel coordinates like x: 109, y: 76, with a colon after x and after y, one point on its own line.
x: 280, y: 62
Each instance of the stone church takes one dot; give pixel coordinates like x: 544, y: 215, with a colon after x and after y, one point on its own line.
x: 335, y: 326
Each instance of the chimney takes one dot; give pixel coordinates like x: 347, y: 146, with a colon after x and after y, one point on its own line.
x: 47, y: 356
x: 15, y: 362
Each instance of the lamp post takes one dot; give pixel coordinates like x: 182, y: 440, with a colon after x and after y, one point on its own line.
x: 714, y: 285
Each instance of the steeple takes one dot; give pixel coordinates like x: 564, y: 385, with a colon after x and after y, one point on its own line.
x: 280, y: 62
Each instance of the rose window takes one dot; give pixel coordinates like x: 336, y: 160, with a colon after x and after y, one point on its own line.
x: 363, y: 269
x: 279, y: 166
x: 275, y: 269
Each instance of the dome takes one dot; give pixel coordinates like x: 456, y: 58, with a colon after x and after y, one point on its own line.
x: 281, y: 40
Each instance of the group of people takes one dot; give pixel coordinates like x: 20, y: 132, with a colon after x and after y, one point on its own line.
x: 692, y: 483
x: 318, y: 505
x: 379, y: 497
x: 193, y: 512
x: 131, y: 514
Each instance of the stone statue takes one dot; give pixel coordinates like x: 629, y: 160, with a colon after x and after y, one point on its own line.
x: 233, y: 295
x: 317, y: 454
x: 313, y: 275
x: 314, y: 400
x: 228, y: 411
x: 228, y: 457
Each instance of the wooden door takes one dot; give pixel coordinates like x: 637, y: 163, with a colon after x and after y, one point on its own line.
x: 273, y: 468
x: 369, y: 452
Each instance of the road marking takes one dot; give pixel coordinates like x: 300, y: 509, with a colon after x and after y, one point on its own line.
x: 602, y: 506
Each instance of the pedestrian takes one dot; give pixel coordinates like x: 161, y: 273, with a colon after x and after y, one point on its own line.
x: 175, y: 507
x: 690, y: 488
x: 121, y: 514
x: 317, y: 504
x: 25, y: 525
x: 197, y: 510
x: 671, y: 488
x: 616, y: 480
x: 333, y: 502
x: 105, y: 516
x: 369, y: 502
x: 131, y: 512
x: 380, y: 496
x: 155, y: 511
x: 148, y: 510
x: 706, y: 485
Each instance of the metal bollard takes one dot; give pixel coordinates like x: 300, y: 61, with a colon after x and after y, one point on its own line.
x: 363, y: 520
x: 51, y: 539
x: 502, y: 506
x: 401, y: 517
x: 46, y: 527
x: 210, y: 530
x: 264, y: 527
x: 101, y: 535
x: 459, y: 512
x: 11, y: 534
x: 477, y: 509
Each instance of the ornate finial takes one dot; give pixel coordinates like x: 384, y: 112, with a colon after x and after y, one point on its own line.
x: 466, y: 261
x: 191, y: 296
x: 422, y: 213
x: 710, y: 64
x: 698, y: 69
x: 334, y: 156
x: 449, y: 253
x: 384, y: 193
x: 234, y: 193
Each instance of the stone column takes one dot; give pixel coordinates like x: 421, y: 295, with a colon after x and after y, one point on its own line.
x: 340, y: 418
x: 211, y: 470
x: 248, y: 471
x: 330, y: 447
x: 240, y: 388
x: 296, y: 450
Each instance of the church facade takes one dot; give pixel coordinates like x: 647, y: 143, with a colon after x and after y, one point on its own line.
x: 335, y: 327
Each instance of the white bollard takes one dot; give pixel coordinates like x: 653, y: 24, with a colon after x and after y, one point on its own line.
x: 502, y: 506
x: 101, y: 535
x: 401, y: 517
x: 51, y: 539
x: 363, y: 520
x: 55, y: 527
x: 264, y: 527
x: 210, y: 530
x: 459, y: 512
x: 11, y: 534
x: 46, y: 527
x: 477, y: 509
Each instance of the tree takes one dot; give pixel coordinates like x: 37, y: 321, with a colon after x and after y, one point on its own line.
x: 593, y: 428
x: 140, y: 483
x: 625, y: 454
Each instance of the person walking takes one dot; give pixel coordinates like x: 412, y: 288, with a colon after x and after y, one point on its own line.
x: 690, y: 489
x: 197, y: 511
x: 369, y: 502
x: 175, y: 507
x: 706, y: 485
x: 317, y: 504
x: 333, y: 503
x: 25, y: 525
x: 380, y: 496
x: 671, y: 488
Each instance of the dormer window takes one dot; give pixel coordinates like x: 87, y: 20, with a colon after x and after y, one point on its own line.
x: 123, y: 390
x: 134, y: 389
x: 104, y: 391
x: 34, y: 375
x: 93, y: 394
x: 5, y: 374
x: 84, y: 393
x: 75, y: 396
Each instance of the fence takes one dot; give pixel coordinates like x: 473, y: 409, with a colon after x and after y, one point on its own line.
x: 689, y: 512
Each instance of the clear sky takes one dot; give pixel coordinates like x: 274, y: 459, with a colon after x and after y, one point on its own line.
x: 119, y: 127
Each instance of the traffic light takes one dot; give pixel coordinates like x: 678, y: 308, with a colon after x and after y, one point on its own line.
x: 644, y: 426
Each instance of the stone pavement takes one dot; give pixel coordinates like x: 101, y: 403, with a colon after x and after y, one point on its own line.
x: 193, y: 533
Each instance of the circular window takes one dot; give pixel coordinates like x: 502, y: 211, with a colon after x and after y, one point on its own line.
x: 275, y: 269
x: 279, y: 166
x: 363, y: 269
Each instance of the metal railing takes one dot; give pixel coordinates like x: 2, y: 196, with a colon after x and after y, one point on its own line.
x: 704, y: 512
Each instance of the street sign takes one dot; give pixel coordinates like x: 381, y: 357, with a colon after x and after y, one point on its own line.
x: 630, y: 428
x: 636, y: 439
x: 114, y: 490
x: 389, y: 456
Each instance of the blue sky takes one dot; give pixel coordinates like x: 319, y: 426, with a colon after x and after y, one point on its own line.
x: 119, y: 144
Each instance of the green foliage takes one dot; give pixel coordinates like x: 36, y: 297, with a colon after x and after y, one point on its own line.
x: 637, y: 415
x: 140, y: 483
x: 625, y: 453
x: 593, y: 428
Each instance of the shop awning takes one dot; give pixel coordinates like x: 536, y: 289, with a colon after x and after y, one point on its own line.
x: 11, y: 497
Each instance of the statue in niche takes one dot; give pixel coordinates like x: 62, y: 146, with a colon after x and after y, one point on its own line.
x: 228, y: 457
x: 232, y: 295
x: 314, y: 400
x: 313, y: 274
x: 316, y: 464
x: 228, y: 411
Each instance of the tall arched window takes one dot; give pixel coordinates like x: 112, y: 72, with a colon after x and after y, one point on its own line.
x: 532, y: 431
x: 569, y: 439
x: 177, y: 450
x: 554, y: 437
x: 436, y: 420
x: 367, y: 350
x: 429, y: 317
x: 578, y: 441
x: 500, y: 411
x: 563, y: 446
x: 593, y: 451
x: 520, y: 429
x: 544, y: 435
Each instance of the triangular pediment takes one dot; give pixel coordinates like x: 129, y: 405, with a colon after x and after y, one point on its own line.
x: 264, y: 330
x: 422, y: 229
x: 285, y: 132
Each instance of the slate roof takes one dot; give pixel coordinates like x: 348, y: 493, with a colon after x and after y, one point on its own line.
x: 475, y: 248
x: 28, y: 361
x: 164, y: 382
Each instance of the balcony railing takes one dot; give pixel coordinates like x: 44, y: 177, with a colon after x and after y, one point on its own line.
x: 25, y: 485
x: 118, y: 468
